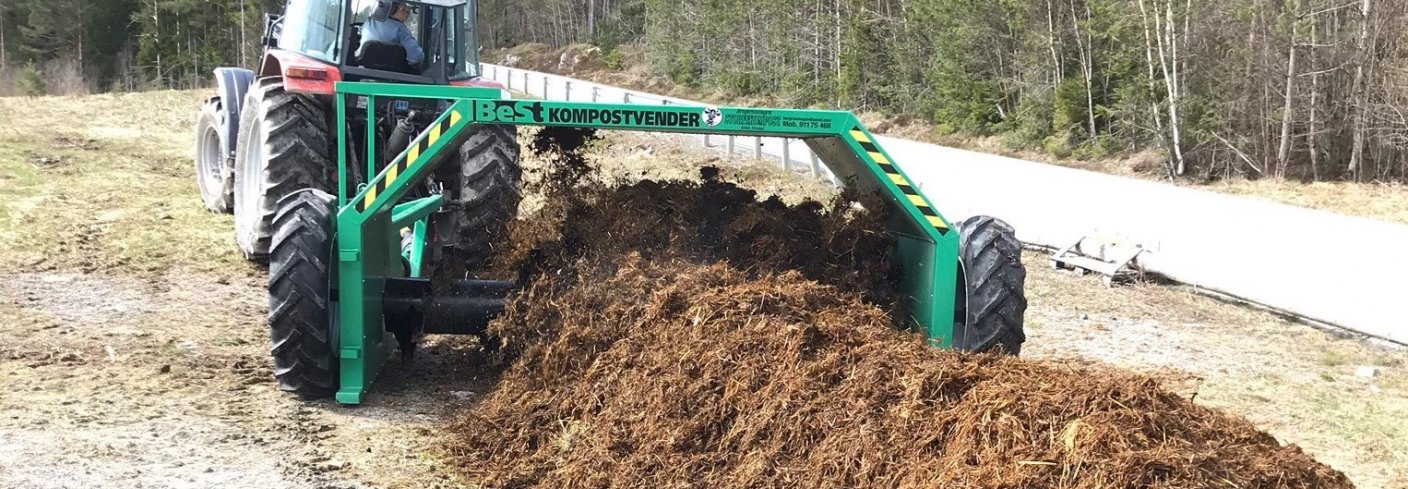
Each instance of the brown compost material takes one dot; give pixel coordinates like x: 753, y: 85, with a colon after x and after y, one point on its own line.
x: 683, y: 334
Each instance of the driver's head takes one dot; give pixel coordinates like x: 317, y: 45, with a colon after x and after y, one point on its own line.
x: 400, y: 11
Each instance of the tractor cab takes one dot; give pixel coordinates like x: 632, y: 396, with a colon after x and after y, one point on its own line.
x: 331, y: 33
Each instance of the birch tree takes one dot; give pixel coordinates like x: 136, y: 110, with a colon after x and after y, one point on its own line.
x: 1165, y: 36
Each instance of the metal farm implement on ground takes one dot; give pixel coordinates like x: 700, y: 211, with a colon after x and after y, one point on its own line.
x: 351, y: 252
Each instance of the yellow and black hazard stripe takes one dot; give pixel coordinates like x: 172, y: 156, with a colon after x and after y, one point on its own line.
x: 893, y: 173
x: 415, y: 156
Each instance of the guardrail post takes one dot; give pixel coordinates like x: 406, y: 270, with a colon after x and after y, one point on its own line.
x: 567, y: 90
x: 625, y: 97
x: 510, y: 81
x: 596, y: 93
x: 730, y: 145
x: 545, y: 87
x: 786, y: 154
x: 757, y: 147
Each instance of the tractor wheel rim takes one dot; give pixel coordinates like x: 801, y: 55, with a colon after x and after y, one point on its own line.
x: 253, y: 171
x: 211, y: 157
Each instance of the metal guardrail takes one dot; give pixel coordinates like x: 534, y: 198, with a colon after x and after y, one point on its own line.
x: 1338, y: 270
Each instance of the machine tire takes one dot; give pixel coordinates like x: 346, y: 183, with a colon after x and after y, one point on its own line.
x: 300, y: 289
x: 488, y: 192
x: 215, y: 171
x: 994, y: 301
x: 284, y: 146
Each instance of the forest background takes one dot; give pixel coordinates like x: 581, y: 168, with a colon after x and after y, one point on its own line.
x: 1279, y: 89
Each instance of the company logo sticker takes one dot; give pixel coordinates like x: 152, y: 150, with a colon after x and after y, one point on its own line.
x: 713, y: 116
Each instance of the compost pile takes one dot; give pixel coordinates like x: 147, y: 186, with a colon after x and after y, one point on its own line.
x: 684, y: 334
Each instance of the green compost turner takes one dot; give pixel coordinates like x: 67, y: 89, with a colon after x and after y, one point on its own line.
x: 382, y: 247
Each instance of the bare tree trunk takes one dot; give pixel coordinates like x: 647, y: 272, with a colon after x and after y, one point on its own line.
x: 156, y: 20
x: 1187, y: 22
x: 1284, y: 155
x: 1356, y: 158
x: 244, y: 44
x: 836, y: 56
x: 1149, y: 63
x: 1175, y: 94
x: 1056, y: 67
x: 80, y: 39
x: 1090, y: 76
x: 1168, y: 61
x: 1314, y: 135
x: 1086, y: 70
x: 752, y: 45
x: 816, y: 45
x: 591, y: 18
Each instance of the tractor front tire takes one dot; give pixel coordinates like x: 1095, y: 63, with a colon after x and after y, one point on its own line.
x: 215, y: 170
x: 488, y: 192
x: 300, y: 293
x: 284, y: 147
x: 994, y: 303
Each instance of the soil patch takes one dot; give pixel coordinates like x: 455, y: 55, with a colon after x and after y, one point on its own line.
x: 683, y: 334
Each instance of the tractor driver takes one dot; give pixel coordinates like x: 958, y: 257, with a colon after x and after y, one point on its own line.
x: 388, y: 25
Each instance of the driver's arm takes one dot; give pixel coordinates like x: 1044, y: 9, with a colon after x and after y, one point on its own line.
x: 408, y: 41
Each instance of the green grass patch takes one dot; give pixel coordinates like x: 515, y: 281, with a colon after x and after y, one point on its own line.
x: 106, y: 183
x: 1334, y: 358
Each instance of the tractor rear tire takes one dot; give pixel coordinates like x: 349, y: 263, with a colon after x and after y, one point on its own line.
x: 215, y: 170
x: 284, y: 146
x: 300, y: 290
x: 488, y: 192
x: 994, y: 304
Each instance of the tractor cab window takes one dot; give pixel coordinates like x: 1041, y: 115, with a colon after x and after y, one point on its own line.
x: 420, y: 23
x: 445, y: 34
x: 464, y: 51
x: 311, y: 27
x: 457, y: 26
x: 362, y: 10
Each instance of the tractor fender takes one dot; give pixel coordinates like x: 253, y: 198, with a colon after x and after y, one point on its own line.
x: 232, y: 84
x: 481, y: 82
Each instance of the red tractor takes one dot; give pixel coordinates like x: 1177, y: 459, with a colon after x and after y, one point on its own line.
x: 271, y: 132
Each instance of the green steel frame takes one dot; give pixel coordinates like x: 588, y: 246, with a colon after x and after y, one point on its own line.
x: 373, y: 222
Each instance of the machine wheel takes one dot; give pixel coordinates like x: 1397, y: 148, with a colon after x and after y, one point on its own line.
x: 489, y: 194
x: 991, y: 310
x: 215, y: 171
x: 284, y: 146
x: 300, y: 287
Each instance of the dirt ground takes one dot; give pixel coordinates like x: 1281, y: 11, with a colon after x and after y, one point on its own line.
x: 134, y: 352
